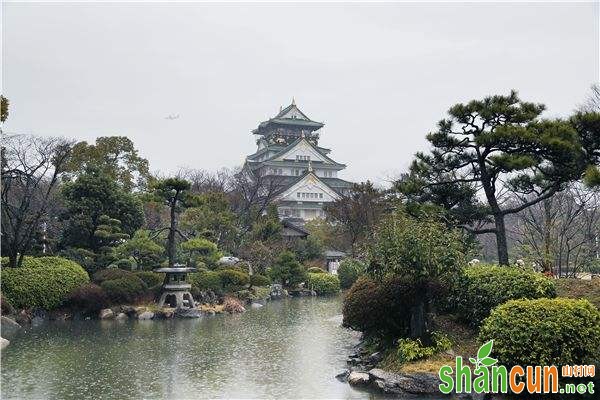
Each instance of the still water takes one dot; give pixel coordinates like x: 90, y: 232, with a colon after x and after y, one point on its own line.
x: 286, y: 349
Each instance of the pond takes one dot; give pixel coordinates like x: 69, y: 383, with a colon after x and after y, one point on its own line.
x: 286, y: 349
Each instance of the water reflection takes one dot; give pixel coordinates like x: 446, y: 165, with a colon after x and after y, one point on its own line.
x: 287, y: 349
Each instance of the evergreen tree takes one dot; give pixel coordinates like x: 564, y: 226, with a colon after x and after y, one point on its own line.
x: 98, y: 214
x: 496, y: 145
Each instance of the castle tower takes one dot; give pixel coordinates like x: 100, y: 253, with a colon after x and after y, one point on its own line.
x: 289, y: 156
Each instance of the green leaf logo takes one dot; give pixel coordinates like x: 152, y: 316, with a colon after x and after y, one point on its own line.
x: 483, y: 358
x: 485, y: 350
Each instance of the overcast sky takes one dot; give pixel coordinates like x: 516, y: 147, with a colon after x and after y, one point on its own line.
x: 380, y: 76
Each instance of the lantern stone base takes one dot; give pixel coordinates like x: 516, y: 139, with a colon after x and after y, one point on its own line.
x: 176, y: 299
x: 175, y: 290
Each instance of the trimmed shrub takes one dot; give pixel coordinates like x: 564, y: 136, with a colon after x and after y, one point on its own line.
x: 89, y: 298
x: 259, y: 280
x: 379, y: 309
x: 232, y: 280
x: 5, y: 306
x: 349, y: 271
x: 316, y: 270
x: 109, y: 274
x: 544, y: 332
x: 151, y: 279
x: 124, y: 290
x: 43, y: 282
x: 287, y: 270
x: 205, y: 280
x: 323, y: 283
x: 481, y: 288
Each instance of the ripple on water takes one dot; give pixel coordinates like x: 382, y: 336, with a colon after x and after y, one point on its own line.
x: 287, y: 349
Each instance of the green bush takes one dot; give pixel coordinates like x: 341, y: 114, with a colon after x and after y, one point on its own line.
x: 259, y: 280
x: 380, y: 309
x: 316, y: 270
x: 253, y: 294
x: 233, y: 280
x: 481, y: 288
x: 124, y: 290
x: 323, y: 283
x: 5, y: 306
x: 287, y: 270
x: 349, y: 271
x: 88, y: 298
x: 31, y: 262
x: 413, y: 349
x: 109, y: 274
x: 206, y: 280
x: 151, y: 279
x: 544, y: 332
x: 43, y: 282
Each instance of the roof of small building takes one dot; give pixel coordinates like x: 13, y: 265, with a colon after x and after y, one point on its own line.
x: 294, y: 224
x: 334, y: 254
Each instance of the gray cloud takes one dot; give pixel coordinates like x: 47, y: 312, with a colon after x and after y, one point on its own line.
x: 379, y: 75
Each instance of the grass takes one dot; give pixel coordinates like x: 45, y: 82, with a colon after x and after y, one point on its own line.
x: 464, y: 343
x: 579, y: 289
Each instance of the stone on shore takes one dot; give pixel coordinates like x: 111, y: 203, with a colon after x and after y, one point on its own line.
x: 3, y: 343
x: 417, y: 383
x: 343, y: 376
x: 121, y: 317
x: 146, y: 315
x: 358, y: 378
x: 256, y: 305
x: 8, y: 326
x: 107, y: 313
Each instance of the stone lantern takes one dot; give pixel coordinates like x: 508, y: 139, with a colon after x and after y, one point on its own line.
x: 175, y: 290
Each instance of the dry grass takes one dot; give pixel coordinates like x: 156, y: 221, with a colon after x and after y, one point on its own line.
x: 464, y: 343
x: 579, y: 289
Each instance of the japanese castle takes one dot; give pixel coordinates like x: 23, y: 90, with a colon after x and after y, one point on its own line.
x: 290, y: 158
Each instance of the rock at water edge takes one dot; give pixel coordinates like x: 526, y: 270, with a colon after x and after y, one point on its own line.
x: 146, y: 315
x: 358, y: 378
x: 8, y: 326
x: 256, y: 305
x: 107, y: 313
x: 343, y: 376
x: 121, y: 317
x: 3, y: 343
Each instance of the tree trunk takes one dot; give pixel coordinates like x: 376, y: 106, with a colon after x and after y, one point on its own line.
x: 418, y: 318
x: 501, y: 239
x: 171, y: 239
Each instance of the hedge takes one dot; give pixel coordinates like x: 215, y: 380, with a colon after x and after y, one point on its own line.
x: 349, y: 271
x: 89, y: 298
x: 124, y: 290
x: 151, y: 279
x: 43, y: 282
x: 380, y: 309
x: 205, y: 280
x: 323, y: 283
x: 110, y: 274
x: 316, y: 270
x: 481, y: 288
x: 544, y: 332
x: 259, y: 280
x: 233, y: 280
